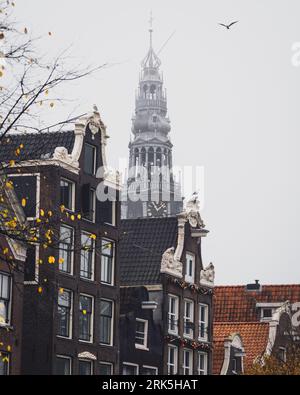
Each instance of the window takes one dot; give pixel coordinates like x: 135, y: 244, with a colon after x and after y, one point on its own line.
x: 4, y: 364
x: 85, y: 368
x: 187, y: 362
x: 106, y: 369
x: 107, y: 261
x: 267, y: 313
x: 202, y: 364
x: 130, y: 369
x: 89, y: 159
x: 63, y: 366
x: 5, y: 285
x: 64, y: 326
x: 86, y: 318
x: 203, y: 322
x: 87, y: 257
x: 188, y: 318
x: 172, y: 360
x: 173, y: 314
x: 282, y: 354
x: 28, y: 187
x: 89, y: 206
x: 106, y: 322
x: 67, y: 194
x: 149, y: 371
x: 141, y: 334
x: 234, y: 365
x: 190, y: 268
x: 66, y: 249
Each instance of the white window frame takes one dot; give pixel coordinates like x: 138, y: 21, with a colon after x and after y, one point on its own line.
x: 37, y: 267
x: 190, y: 258
x: 73, y: 193
x: 70, y: 359
x: 174, y: 315
x: 63, y: 225
x: 188, y: 319
x: 146, y: 326
x: 92, y: 318
x: 205, y: 371
x: 175, y: 365
x: 71, y: 315
x: 112, y: 322
x: 108, y: 364
x: 205, y: 322
x: 9, y: 309
x: 113, y: 243
x: 151, y: 367
x: 93, y: 257
x: 90, y: 361
x: 187, y: 369
x: 131, y: 364
x: 114, y: 214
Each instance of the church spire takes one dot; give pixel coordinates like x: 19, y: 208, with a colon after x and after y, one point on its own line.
x: 151, y: 60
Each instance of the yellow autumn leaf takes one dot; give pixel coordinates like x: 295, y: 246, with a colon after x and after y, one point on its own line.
x: 51, y: 260
x: 24, y: 202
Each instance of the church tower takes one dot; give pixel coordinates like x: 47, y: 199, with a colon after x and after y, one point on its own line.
x: 150, y: 173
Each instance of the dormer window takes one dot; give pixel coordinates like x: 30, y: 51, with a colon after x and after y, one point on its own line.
x: 90, y: 159
x: 190, y: 268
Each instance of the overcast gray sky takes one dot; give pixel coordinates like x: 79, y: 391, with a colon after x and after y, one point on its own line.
x: 233, y: 99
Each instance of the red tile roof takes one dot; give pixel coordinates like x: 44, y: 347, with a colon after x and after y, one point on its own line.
x: 236, y: 304
x: 254, y: 337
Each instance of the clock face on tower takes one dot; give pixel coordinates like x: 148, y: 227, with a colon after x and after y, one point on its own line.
x: 157, y: 209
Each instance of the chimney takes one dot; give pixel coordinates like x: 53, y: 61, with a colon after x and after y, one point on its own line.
x: 254, y: 287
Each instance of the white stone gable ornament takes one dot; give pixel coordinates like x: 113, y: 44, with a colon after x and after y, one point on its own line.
x: 207, y: 276
x: 170, y: 265
x: 193, y: 211
x: 95, y: 122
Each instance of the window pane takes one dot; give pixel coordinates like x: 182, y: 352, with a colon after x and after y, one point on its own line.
x: 66, y: 194
x: 63, y: 366
x: 85, y: 368
x: 140, y: 333
x: 129, y: 370
x: 85, y: 317
x: 107, y: 261
x: 87, y: 257
x: 89, y: 159
x: 149, y: 371
x: 106, y: 322
x: 105, y: 369
x: 66, y: 249
x: 64, y: 314
x: 4, y: 298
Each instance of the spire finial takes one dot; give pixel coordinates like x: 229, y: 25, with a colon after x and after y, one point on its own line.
x: 151, y: 27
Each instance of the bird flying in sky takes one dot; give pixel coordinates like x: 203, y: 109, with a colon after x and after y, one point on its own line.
x: 228, y: 26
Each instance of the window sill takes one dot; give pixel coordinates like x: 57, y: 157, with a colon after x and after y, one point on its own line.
x: 190, y: 337
x: 203, y: 340
x: 140, y: 347
x: 173, y: 333
x: 106, y: 345
x: 85, y: 341
x: 6, y: 326
x: 63, y: 338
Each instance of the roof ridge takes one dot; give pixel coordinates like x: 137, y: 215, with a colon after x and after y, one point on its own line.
x: 263, y: 285
x: 238, y: 322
